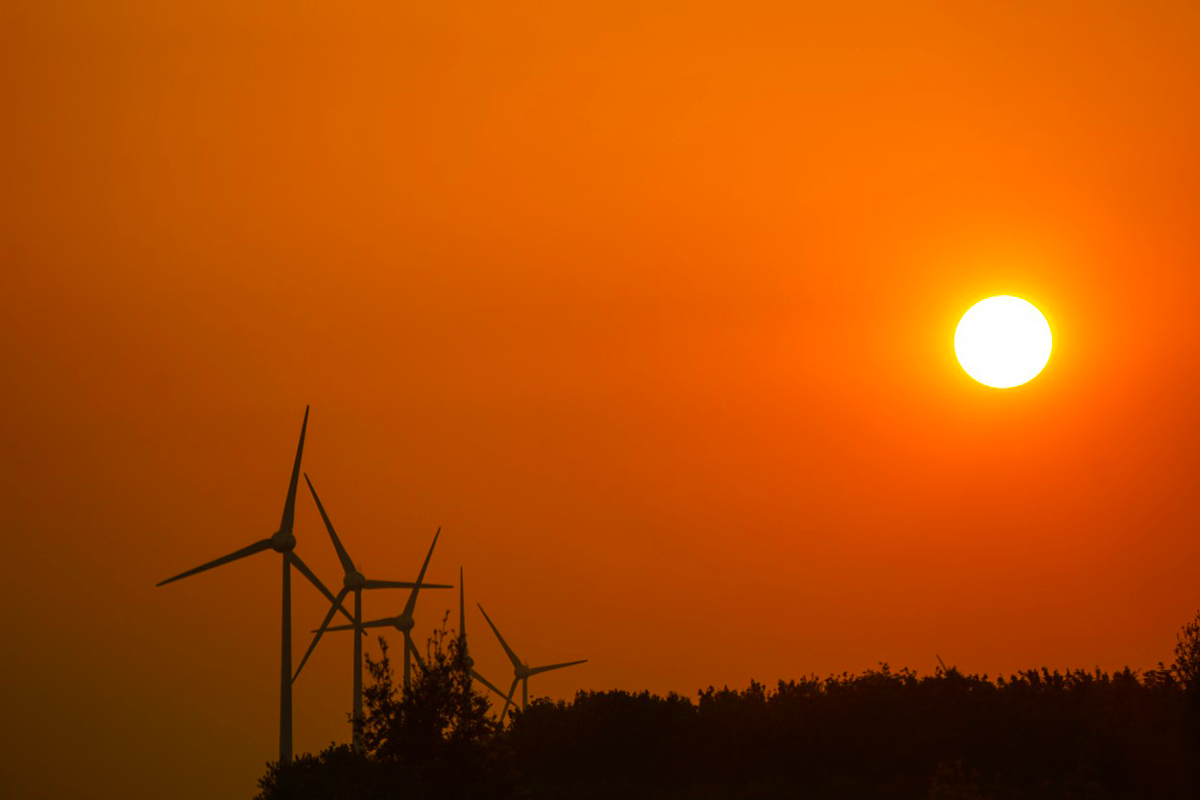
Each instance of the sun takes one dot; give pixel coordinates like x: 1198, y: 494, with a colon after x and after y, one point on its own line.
x: 1003, y: 341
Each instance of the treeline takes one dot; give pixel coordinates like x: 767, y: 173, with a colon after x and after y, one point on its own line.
x: 882, y: 734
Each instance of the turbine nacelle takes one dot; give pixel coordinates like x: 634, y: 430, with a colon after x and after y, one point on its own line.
x: 354, y: 580
x: 521, y: 671
x: 283, y: 541
x: 404, y: 623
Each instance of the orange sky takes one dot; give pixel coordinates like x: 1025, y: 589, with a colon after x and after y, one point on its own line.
x: 651, y: 310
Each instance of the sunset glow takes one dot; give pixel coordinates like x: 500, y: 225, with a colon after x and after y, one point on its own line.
x: 675, y: 318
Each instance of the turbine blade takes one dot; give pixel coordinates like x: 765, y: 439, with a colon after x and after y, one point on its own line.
x: 308, y: 573
x: 412, y: 597
x: 379, y: 623
x: 408, y: 642
x: 486, y: 682
x: 289, y: 506
x: 404, y: 585
x: 508, y: 699
x: 257, y: 547
x: 324, y: 624
x: 343, y: 556
x: 462, y: 609
x: 537, y: 670
x: 516, y: 662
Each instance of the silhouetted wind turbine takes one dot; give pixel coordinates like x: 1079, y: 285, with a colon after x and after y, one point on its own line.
x: 521, y: 672
x: 462, y: 638
x: 283, y: 542
x: 403, y: 622
x: 352, y: 581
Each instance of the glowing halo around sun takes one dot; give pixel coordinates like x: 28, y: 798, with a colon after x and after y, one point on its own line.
x: 1003, y: 341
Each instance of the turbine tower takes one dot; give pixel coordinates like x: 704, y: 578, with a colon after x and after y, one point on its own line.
x: 521, y: 672
x: 352, y: 581
x: 462, y: 639
x: 283, y: 542
x: 403, y: 621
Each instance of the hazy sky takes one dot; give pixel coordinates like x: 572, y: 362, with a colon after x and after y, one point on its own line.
x: 649, y: 305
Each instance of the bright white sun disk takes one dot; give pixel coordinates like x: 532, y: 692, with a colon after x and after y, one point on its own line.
x: 1003, y: 341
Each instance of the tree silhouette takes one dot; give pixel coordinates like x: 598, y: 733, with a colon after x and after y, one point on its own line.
x: 337, y: 771
x: 438, y: 734
x: 1186, y: 667
x: 434, y: 741
x: 1038, y: 734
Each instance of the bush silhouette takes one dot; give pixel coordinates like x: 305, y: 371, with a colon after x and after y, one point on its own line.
x: 1034, y: 735
x: 438, y: 734
x: 434, y: 741
x: 336, y: 772
x: 1186, y: 667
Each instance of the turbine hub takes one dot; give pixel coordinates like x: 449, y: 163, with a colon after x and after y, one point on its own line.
x: 354, y: 580
x: 283, y: 541
x: 521, y: 671
x: 404, y: 623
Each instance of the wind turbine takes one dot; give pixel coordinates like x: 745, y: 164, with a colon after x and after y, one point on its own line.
x: 352, y: 581
x: 403, y: 621
x: 521, y: 671
x: 945, y: 670
x: 469, y: 662
x: 284, y: 542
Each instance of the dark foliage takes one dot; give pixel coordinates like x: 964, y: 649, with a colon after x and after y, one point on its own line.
x: 438, y: 736
x: 1035, y: 735
x: 337, y: 772
x: 435, y: 742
